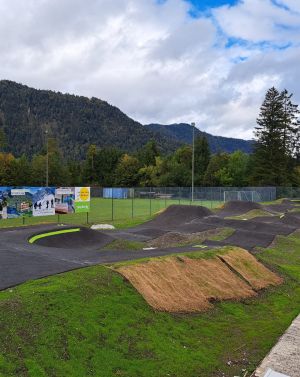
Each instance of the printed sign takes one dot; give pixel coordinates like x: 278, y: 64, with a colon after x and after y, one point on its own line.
x: 43, y: 201
x: 65, y: 200
x: 82, y: 199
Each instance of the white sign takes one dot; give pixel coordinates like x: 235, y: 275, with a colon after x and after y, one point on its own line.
x: 64, y: 191
x: 18, y: 192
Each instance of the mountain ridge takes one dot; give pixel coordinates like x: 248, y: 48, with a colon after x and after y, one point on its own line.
x: 77, y: 122
x: 182, y: 132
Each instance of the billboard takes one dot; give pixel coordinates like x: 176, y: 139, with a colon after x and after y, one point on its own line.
x: 42, y: 201
x: 82, y: 199
x: 65, y: 200
x: 26, y: 201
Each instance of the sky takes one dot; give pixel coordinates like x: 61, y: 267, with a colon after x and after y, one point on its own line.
x: 160, y: 61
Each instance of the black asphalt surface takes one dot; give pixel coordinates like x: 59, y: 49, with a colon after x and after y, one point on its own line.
x: 21, y: 261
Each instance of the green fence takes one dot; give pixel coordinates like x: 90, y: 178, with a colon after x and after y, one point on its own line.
x: 137, y: 204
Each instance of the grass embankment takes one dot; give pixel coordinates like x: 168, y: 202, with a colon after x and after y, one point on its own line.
x: 251, y: 215
x: 91, y: 322
x: 181, y: 284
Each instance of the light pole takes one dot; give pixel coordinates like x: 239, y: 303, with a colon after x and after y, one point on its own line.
x: 47, y: 159
x: 193, y: 160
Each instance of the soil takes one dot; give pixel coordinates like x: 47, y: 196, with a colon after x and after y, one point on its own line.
x: 173, y: 239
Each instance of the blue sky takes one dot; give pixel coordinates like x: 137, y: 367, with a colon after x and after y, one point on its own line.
x: 202, y: 5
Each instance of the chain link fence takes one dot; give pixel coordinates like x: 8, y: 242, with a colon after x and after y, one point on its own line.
x: 128, y: 206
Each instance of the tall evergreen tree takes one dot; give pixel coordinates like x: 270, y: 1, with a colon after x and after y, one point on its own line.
x: 274, y: 138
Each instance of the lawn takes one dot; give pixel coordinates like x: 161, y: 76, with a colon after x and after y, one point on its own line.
x: 91, y: 322
x: 111, y: 211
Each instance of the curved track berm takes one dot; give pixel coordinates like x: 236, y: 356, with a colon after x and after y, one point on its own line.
x: 84, y: 239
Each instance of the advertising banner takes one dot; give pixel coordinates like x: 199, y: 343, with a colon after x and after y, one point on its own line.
x: 15, y: 202
x: 65, y: 200
x: 82, y: 199
x: 43, y: 201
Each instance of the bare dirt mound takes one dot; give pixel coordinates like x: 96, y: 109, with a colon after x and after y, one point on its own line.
x: 177, y: 215
x: 173, y: 239
x: 185, y: 285
x: 254, y: 272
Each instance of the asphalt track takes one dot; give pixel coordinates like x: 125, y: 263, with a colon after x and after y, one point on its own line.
x: 21, y: 261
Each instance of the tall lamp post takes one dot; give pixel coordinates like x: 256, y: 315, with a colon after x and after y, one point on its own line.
x: 193, y: 160
x: 47, y: 159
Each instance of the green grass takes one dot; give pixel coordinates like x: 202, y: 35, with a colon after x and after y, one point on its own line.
x: 122, y: 244
x: 250, y: 215
x: 112, y: 212
x: 222, y: 234
x: 49, y: 234
x: 90, y: 322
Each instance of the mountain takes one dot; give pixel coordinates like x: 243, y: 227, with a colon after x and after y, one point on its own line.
x: 75, y: 121
x: 182, y: 132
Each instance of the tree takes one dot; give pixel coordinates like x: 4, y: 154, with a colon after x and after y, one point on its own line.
x: 3, y: 141
x: 275, y: 136
x: 127, y: 171
x: 217, y: 170
x: 147, y: 154
x: 202, y: 157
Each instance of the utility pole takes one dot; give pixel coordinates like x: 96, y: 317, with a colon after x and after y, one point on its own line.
x: 47, y: 159
x: 193, y: 160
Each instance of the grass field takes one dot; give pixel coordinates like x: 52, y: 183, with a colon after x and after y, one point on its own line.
x: 111, y: 211
x: 90, y: 322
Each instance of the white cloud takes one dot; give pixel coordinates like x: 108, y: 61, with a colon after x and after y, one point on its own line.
x: 153, y: 61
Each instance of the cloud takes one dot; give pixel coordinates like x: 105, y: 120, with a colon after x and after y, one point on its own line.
x: 155, y: 61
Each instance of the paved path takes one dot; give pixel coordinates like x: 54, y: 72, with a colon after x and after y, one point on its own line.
x: 21, y: 261
x: 285, y: 355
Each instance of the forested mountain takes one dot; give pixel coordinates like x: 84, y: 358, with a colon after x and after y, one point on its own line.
x: 182, y: 132
x: 76, y: 122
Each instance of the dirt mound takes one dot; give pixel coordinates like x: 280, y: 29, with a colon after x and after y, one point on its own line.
x: 237, y: 207
x: 173, y: 239
x: 279, y: 208
x: 291, y: 219
x: 255, y: 273
x: 177, y: 215
x: 84, y: 239
x: 185, y: 285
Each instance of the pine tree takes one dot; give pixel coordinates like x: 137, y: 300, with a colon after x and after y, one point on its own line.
x: 274, y: 139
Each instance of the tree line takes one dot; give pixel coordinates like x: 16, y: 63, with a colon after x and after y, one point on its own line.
x: 274, y: 162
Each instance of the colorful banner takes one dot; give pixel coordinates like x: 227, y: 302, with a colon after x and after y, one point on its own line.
x: 42, y: 201
x: 65, y: 200
x: 82, y: 199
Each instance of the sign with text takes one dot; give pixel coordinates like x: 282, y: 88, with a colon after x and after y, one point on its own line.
x: 82, y: 199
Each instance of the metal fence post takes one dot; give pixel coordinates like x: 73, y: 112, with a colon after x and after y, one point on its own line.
x: 112, y: 204
x: 132, y: 199
x: 150, y: 201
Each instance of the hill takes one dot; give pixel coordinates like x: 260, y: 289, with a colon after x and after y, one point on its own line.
x: 75, y: 121
x: 182, y: 132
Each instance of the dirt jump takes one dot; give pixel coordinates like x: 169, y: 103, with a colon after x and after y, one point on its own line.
x: 183, y: 284
x: 21, y: 260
